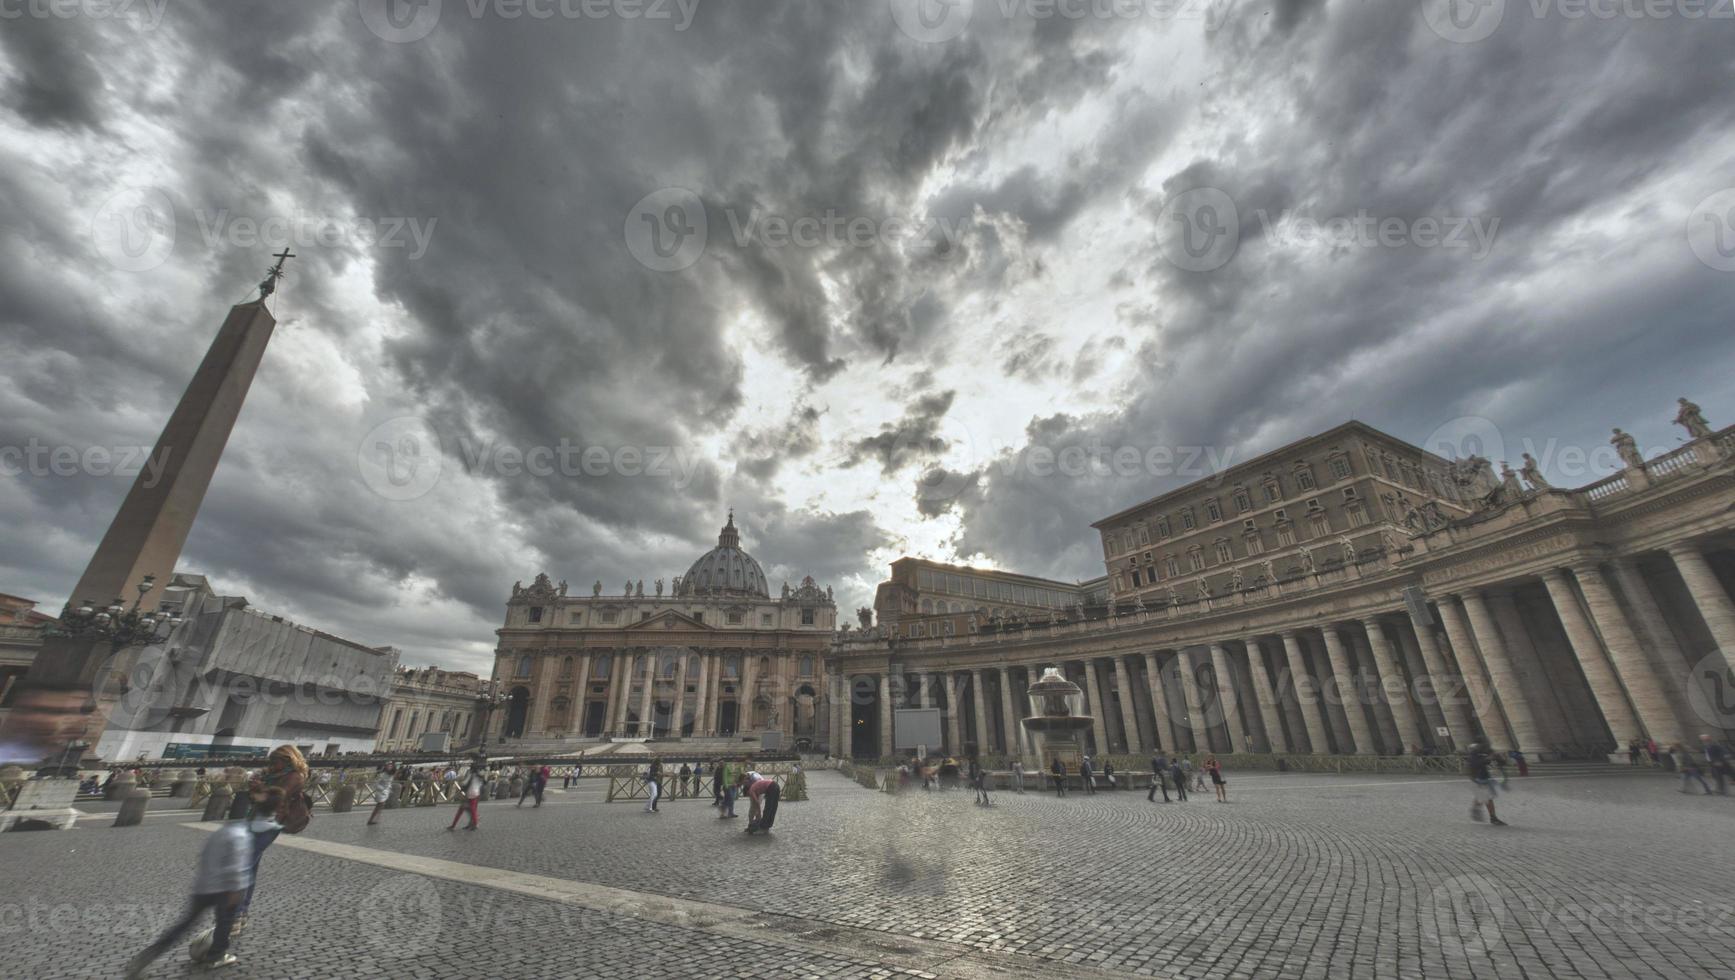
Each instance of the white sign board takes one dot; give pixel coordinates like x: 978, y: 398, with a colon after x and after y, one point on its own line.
x: 915, y: 727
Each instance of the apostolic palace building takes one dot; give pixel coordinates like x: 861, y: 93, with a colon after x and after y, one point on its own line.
x: 1347, y: 593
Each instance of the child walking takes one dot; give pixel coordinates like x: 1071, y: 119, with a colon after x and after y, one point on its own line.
x: 224, y: 873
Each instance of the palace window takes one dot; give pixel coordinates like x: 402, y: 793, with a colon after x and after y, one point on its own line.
x: 599, y: 667
x: 733, y: 619
x: 1304, y: 477
x: 1187, y: 518
x: 1162, y: 527
x: 1173, y: 565
x: 1144, y: 534
x: 1224, y: 553
x: 1285, y: 534
x: 1273, y: 490
x: 1253, y: 542
x: 536, y: 614
x: 732, y: 667
x: 807, y: 617
x: 1243, y: 500
x: 524, y: 666
x: 1135, y: 578
x: 1339, y: 467
x: 414, y: 716
x: 1212, y: 511
x: 397, y: 719
x: 1196, y: 559
x: 1321, y: 525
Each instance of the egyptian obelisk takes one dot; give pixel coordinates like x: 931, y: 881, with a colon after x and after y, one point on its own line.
x: 55, y: 704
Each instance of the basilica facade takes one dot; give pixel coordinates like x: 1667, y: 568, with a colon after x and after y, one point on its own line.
x: 1349, y: 593
x: 715, y: 655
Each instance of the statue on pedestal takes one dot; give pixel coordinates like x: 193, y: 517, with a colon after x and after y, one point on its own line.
x: 1235, y: 580
x: 1693, y: 420
x: 1509, y: 485
x: 1306, y: 557
x: 1628, y: 449
x: 596, y: 589
x: 659, y: 588
x: 627, y: 589
x: 641, y: 590
x: 866, y: 616
x: 1348, y: 549
x: 1532, y: 473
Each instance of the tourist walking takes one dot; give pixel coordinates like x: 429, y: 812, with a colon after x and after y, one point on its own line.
x: 1159, y: 767
x: 1179, y: 776
x: 979, y: 781
x: 470, y: 795
x: 1518, y: 760
x: 763, y: 794
x: 717, y: 768
x: 1108, y: 773
x: 382, y: 790
x: 731, y: 774
x: 1633, y: 752
x: 1652, y: 750
x: 221, y: 881
x: 534, y: 785
x: 280, y: 803
x: 1087, y: 773
x: 1058, y: 769
x: 1215, y: 768
x: 1688, y: 768
x: 1479, y: 763
x: 1017, y: 776
x: 654, y: 784
x: 1717, y: 760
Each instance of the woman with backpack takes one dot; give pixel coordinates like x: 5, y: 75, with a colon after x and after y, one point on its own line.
x: 280, y: 805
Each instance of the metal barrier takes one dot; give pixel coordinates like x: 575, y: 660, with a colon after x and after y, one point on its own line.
x: 634, y: 786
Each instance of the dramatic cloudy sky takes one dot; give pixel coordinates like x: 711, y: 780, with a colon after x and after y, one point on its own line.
x: 570, y: 231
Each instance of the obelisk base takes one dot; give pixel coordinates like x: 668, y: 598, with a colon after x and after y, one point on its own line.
x: 42, y: 804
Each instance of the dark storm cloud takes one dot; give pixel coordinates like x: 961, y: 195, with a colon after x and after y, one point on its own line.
x: 528, y: 322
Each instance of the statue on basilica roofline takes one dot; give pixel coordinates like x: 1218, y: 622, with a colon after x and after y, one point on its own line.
x: 866, y: 616
x: 641, y: 589
x: 1693, y: 420
x: 1628, y: 449
x: 627, y: 589
x: 659, y: 588
x: 596, y: 589
x: 1532, y: 473
x: 1509, y: 485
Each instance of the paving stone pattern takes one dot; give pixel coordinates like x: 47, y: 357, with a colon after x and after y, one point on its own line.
x: 1297, y: 876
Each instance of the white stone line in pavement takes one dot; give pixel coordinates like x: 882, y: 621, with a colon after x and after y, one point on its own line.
x: 727, y: 920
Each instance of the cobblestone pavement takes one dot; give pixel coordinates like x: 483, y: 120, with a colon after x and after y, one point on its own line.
x: 1297, y: 876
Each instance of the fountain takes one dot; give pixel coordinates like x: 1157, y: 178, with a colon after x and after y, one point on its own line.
x: 1056, y: 719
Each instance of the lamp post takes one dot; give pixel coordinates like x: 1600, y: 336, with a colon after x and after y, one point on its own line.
x: 120, y: 625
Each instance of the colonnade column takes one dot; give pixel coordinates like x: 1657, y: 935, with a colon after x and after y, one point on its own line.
x: 1657, y: 641
x: 1453, y: 711
x: 954, y: 715
x: 1500, y: 670
x: 981, y: 711
x: 1650, y: 700
x: 1307, y: 695
x: 1392, y: 683
x: 1359, y: 732
x: 1269, y: 714
x: 1195, y: 707
x: 1227, y: 698
x: 678, y: 713
x: 1008, y: 718
x: 885, y: 715
x: 1159, y: 703
x: 1129, y: 718
x: 1712, y: 600
x: 1099, y: 721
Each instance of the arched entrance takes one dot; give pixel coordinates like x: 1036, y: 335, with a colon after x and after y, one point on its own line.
x: 517, y: 711
x: 727, y: 718
x: 864, y: 717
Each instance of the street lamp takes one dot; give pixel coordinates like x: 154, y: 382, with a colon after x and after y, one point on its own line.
x: 116, y: 623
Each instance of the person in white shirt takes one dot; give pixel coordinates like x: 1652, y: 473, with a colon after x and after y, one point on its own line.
x: 225, y: 871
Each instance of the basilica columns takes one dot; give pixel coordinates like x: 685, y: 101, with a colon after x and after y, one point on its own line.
x: 1712, y: 600
x: 647, y: 705
x: 1129, y: 718
x: 1501, y: 671
x: 1347, y: 694
x: 1269, y: 714
x: 1227, y: 698
x: 1098, y: 714
x: 1196, y: 723
x: 1307, y: 697
x: 678, y: 711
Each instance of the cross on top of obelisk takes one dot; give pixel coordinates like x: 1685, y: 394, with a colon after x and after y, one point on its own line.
x: 269, y: 285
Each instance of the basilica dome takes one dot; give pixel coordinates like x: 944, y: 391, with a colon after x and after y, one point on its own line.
x: 725, y: 570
